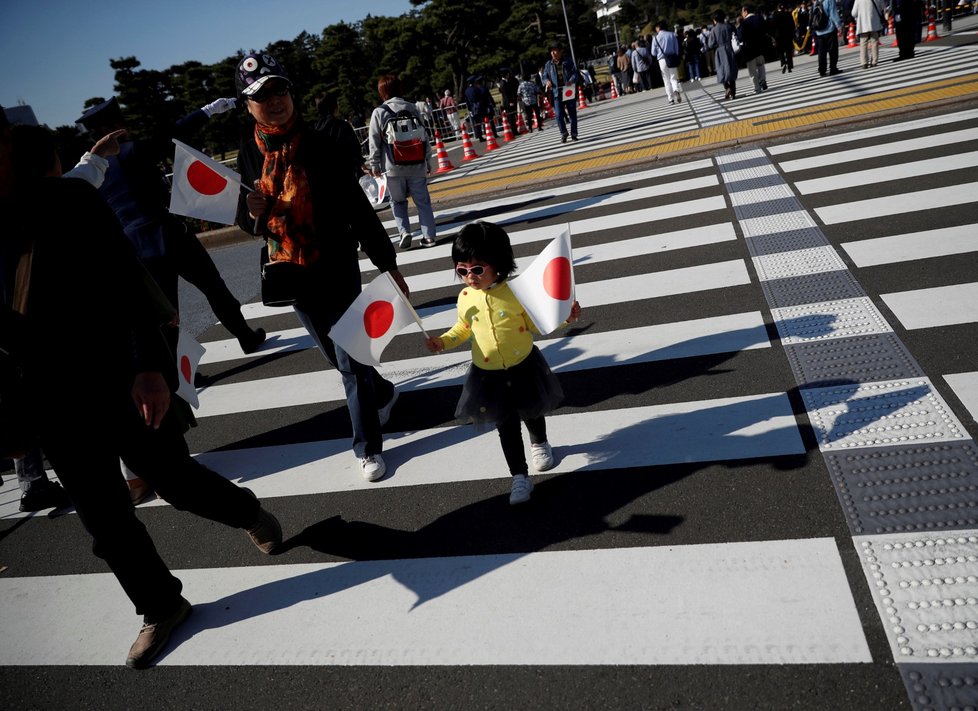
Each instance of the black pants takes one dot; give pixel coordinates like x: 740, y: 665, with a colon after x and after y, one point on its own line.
x: 185, y: 256
x: 511, y: 438
x: 905, y: 39
x: 92, y: 477
x: 828, y: 47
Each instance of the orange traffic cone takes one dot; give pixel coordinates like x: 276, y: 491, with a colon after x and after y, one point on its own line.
x: 520, y: 124
x: 581, y: 103
x: 932, y: 35
x: 549, y: 107
x: 536, y: 121
x: 814, y: 50
x: 507, y: 129
x: 468, y: 150
x: 614, y: 91
x: 851, y: 39
x: 444, y: 164
x: 491, y: 144
x: 601, y: 96
x: 891, y: 30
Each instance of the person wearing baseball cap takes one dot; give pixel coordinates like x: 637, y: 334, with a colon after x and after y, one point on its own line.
x: 312, y: 213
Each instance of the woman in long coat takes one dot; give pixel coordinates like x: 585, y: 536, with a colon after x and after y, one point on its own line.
x: 724, y: 59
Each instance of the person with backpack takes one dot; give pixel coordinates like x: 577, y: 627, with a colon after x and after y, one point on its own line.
x: 529, y: 94
x: 826, y: 23
x: 399, y: 149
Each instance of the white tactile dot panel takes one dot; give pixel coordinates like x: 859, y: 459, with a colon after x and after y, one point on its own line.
x: 812, y: 289
x: 766, y: 191
x: 775, y: 224
x: 926, y: 590
x: 930, y: 487
x: 828, y: 319
x: 798, y: 263
x: 786, y: 241
x: 772, y: 206
x: 854, y: 359
x: 880, y: 414
x: 941, y: 687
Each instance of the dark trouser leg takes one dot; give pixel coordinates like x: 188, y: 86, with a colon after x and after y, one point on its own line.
x: 560, y: 116
x: 162, y: 459
x: 511, y: 438
x: 193, y: 263
x: 93, y: 481
x: 537, y: 427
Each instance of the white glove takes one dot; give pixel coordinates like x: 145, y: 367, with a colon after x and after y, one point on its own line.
x: 219, y: 106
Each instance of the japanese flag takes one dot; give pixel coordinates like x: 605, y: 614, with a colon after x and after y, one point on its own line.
x: 569, y: 93
x: 372, y: 321
x: 546, y: 287
x: 189, y: 352
x: 202, y: 187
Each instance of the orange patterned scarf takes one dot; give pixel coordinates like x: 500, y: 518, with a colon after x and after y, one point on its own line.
x: 291, y: 228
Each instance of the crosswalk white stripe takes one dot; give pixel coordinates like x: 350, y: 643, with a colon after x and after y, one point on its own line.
x: 903, y: 171
x: 645, y: 344
x: 900, y: 204
x: 443, y: 316
x: 782, y: 602
x: 895, y: 249
x: 965, y: 386
x: 851, y: 156
x: 938, y: 306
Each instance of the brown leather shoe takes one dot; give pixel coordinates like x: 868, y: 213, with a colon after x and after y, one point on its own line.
x: 266, y: 534
x: 154, y: 635
x: 140, y: 491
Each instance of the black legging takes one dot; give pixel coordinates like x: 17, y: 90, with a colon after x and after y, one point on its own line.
x: 511, y: 438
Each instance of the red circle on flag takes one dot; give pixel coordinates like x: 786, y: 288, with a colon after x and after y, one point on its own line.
x: 377, y: 318
x: 557, y: 278
x: 204, y: 180
x: 185, y: 368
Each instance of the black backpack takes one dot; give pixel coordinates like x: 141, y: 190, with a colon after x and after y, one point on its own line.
x: 820, y: 18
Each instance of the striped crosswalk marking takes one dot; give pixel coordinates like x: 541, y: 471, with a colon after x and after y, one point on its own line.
x: 939, y: 306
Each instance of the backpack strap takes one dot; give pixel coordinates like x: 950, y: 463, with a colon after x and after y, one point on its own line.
x: 22, y: 280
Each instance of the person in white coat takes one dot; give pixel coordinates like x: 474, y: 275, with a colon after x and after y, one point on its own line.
x: 869, y: 23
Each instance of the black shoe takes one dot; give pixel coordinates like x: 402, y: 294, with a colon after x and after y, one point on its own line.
x: 154, y: 635
x: 573, y: 138
x: 563, y: 138
x: 833, y: 72
x: 47, y: 495
x: 251, y: 342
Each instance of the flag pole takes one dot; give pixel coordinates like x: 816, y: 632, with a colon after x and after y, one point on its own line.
x: 407, y: 303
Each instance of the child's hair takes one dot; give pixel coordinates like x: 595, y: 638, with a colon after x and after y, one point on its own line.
x: 486, y: 242
x: 34, y: 152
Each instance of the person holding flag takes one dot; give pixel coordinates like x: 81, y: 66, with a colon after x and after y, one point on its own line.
x: 311, y: 212
x: 560, y: 76
x: 509, y: 379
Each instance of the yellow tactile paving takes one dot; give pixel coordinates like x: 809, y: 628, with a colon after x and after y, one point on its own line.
x: 712, y: 137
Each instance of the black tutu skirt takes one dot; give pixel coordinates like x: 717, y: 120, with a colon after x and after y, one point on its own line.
x: 529, y: 389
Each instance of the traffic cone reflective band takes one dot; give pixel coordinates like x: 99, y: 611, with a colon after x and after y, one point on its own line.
x: 891, y: 30
x: 536, y: 121
x: 851, y: 39
x: 507, y: 129
x: 444, y: 164
x: 614, y: 91
x: 814, y: 42
x: 581, y: 103
x: 491, y: 144
x: 468, y: 150
x: 931, y: 26
x: 520, y: 124
x: 549, y: 107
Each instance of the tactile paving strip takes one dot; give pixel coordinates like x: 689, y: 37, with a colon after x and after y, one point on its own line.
x: 765, y: 181
x: 776, y: 224
x: 854, y: 359
x: 880, y: 414
x: 801, y: 262
x: 930, y: 487
x: 938, y: 687
x: 829, y: 319
x: 772, y: 205
x: 926, y: 590
x: 786, y: 241
x: 812, y: 289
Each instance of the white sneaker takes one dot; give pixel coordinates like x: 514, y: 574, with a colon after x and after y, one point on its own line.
x: 405, y: 240
x: 520, y: 493
x: 384, y: 413
x: 372, y: 467
x: 543, y: 456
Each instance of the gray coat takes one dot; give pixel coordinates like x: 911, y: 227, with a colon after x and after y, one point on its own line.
x: 724, y: 60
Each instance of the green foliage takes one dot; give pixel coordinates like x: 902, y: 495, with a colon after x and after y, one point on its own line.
x: 432, y: 48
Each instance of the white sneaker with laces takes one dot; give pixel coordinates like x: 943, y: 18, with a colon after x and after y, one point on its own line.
x: 372, y: 467
x: 543, y: 456
x: 405, y: 240
x: 384, y: 413
x: 520, y: 492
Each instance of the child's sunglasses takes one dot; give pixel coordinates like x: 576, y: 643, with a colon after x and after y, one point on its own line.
x: 477, y: 270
